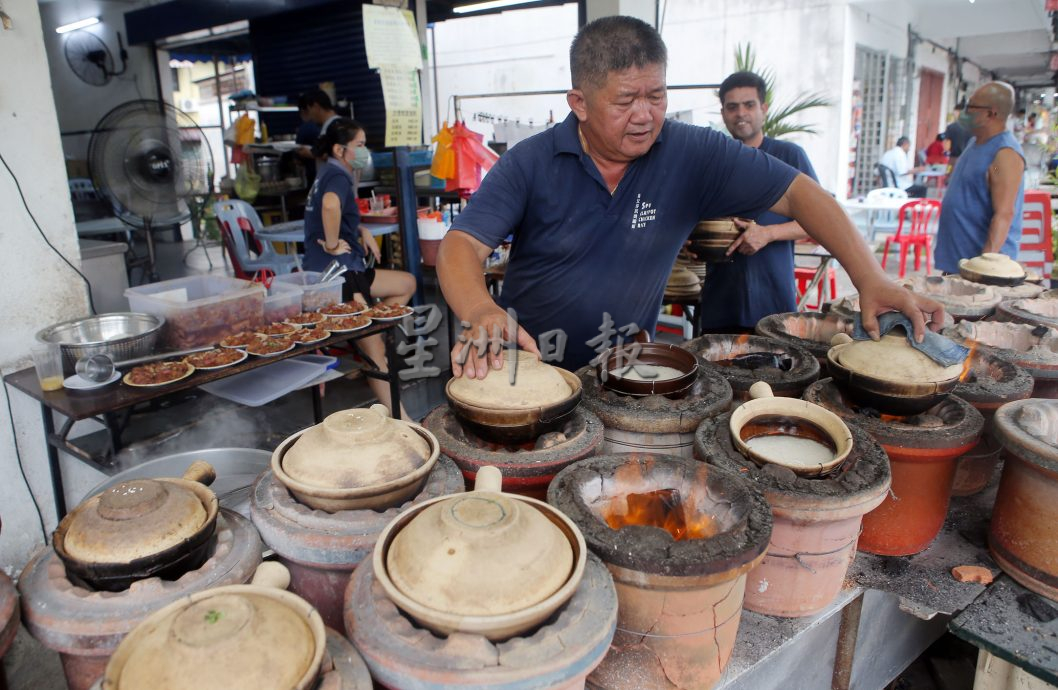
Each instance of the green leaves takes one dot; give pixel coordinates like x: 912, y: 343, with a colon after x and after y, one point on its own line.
x: 779, y: 120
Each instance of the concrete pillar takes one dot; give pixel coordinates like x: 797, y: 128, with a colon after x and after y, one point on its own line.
x: 647, y: 10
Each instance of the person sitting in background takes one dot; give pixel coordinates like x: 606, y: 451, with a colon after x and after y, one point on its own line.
x: 333, y: 231
x: 896, y: 161
x: 937, y: 151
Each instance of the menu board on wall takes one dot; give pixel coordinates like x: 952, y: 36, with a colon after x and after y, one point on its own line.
x: 393, y: 48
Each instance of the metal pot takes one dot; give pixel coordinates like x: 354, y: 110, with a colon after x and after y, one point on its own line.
x: 268, y: 169
x: 122, y: 336
x: 94, y: 540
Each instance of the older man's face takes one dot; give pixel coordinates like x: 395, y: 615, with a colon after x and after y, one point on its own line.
x: 623, y: 117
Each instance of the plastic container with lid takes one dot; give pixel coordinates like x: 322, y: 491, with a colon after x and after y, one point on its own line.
x: 200, y: 310
x: 314, y: 294
x: 282, y: 302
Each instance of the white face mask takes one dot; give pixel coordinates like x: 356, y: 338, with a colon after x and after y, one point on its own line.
x: 361, y: 157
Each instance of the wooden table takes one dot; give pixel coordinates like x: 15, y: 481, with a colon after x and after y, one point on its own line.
x: 102, y: 404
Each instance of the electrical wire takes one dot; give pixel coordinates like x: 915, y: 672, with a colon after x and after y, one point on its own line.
x: 88, y: 286
x: 21, y: 469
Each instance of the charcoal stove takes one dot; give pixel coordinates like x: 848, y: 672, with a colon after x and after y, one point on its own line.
x: 816, y: 519
x: 558, y: 654
x: 745, y: 359
x: 805, y: 329
x: 1037, y: 312
x: 964, y: 300
x: 922, y: 450
x: 1021, y: 536
x: 8, y: 620
x: 988, y: 382
x: 527, y: 468
x: 322, y: 549
x: 655, y: 422
x: 678, y: 536
x: 85, y: 626
x: 1033, y: 348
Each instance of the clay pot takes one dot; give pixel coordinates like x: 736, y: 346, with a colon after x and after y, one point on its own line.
x: 140, y: 528
x: 710, y: 239
x: 816, y: 519
x: 255, y: 636
x: 1021, y: 537
x: 890, y: 375
x: 992, y: 268
x: 1043, y: 312
x: 541, y: 399
x: 809, y: 330
x: 642, y: 355
x: 484, y: 563
x: 790, y: 421
x: 356, y: 459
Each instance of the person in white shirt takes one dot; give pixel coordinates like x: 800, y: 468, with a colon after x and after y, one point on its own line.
x: 896, y: 160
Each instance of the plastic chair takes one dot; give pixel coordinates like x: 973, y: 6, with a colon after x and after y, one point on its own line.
x: 884, y: 220
x: 803, y: 276
x: 922, y: 212
x: 237, y: 219
x: 886, y: 174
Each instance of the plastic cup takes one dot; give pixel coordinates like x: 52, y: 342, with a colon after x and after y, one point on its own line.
x: 376, y: 205
x: 47, y: 359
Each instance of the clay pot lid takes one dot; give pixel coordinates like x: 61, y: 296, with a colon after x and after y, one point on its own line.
x: 356, y: 448
x: 248, y: 636
x: 536, y: 384
x: 993, y: 265
x: 480, y: 554
x: 137, y: 518
x: 717, y: 226
x: 682, y: 277
x: 893, y: 359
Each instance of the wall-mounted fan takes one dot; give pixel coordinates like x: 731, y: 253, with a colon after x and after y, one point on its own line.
x: 90, y: 59
x: 154, y: 165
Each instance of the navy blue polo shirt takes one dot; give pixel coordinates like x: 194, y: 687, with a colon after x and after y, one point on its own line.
x: 333, y: 177
x: 579, y: 252
x: 740, y: 293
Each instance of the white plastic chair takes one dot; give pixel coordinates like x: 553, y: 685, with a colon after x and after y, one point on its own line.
x: 235, y: 218
x: 884, y: 220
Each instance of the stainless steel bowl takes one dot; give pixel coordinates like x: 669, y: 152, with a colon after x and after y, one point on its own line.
x: 123, y: 336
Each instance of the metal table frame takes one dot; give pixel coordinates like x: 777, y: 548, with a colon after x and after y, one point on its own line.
x: 112, y: 405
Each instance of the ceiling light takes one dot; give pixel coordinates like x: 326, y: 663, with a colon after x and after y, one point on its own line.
x: 80, y: 24
x: 491, y: 5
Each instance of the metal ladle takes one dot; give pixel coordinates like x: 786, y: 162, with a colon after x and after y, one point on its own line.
x: 100, y: 367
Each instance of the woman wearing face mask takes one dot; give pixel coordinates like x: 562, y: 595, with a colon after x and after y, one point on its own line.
x: 333, y: 231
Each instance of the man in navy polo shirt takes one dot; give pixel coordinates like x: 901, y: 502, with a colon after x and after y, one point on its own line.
x: 600, y: 205
x: 759, y: 280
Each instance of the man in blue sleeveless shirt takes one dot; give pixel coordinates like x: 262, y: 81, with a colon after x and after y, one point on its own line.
x: 600, y: 205
x: 982, y: 207
x: 759, y: 279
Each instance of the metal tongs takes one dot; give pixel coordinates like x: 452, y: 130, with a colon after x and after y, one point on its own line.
x: 333, y: 271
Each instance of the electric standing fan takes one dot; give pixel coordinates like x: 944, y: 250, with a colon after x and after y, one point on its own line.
x: 152, y: 162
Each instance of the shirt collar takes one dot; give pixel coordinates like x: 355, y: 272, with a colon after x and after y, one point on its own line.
x: 568, y: 141
x: 331, y: 161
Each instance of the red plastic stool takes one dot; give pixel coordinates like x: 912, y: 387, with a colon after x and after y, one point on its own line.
x: 803, y: 276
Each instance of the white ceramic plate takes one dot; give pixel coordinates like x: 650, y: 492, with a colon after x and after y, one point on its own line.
x: 277, y: 352
x: 76, y: 383
x: 334, y: 329
x: 406, y: 312
x: 127, y: 382
x: 317, y: 340
x: 222, y: 366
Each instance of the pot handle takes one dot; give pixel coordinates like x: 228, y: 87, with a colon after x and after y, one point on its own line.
x: 271, y: 574
x: 759, y: 390
x: 200, y: 471
x: 489, y: 478
x: 840, y: 339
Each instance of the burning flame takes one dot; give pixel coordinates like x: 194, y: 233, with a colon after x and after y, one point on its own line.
x: 891, y: 417
x: 968, y: 362
x: 741, y: 340
x: 662, y: 508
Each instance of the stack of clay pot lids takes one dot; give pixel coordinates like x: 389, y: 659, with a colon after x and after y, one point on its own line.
x: 683, y: 283
x: 356, y: 459
x: 686, y: 260
x: 710, y: 239
x: 992, y: 269
x: 240, y: 636
x: 485, y: 562
x: 888, y: 374
x: 793, y: 433
x: 540, y: 399
x: 140, y: 528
